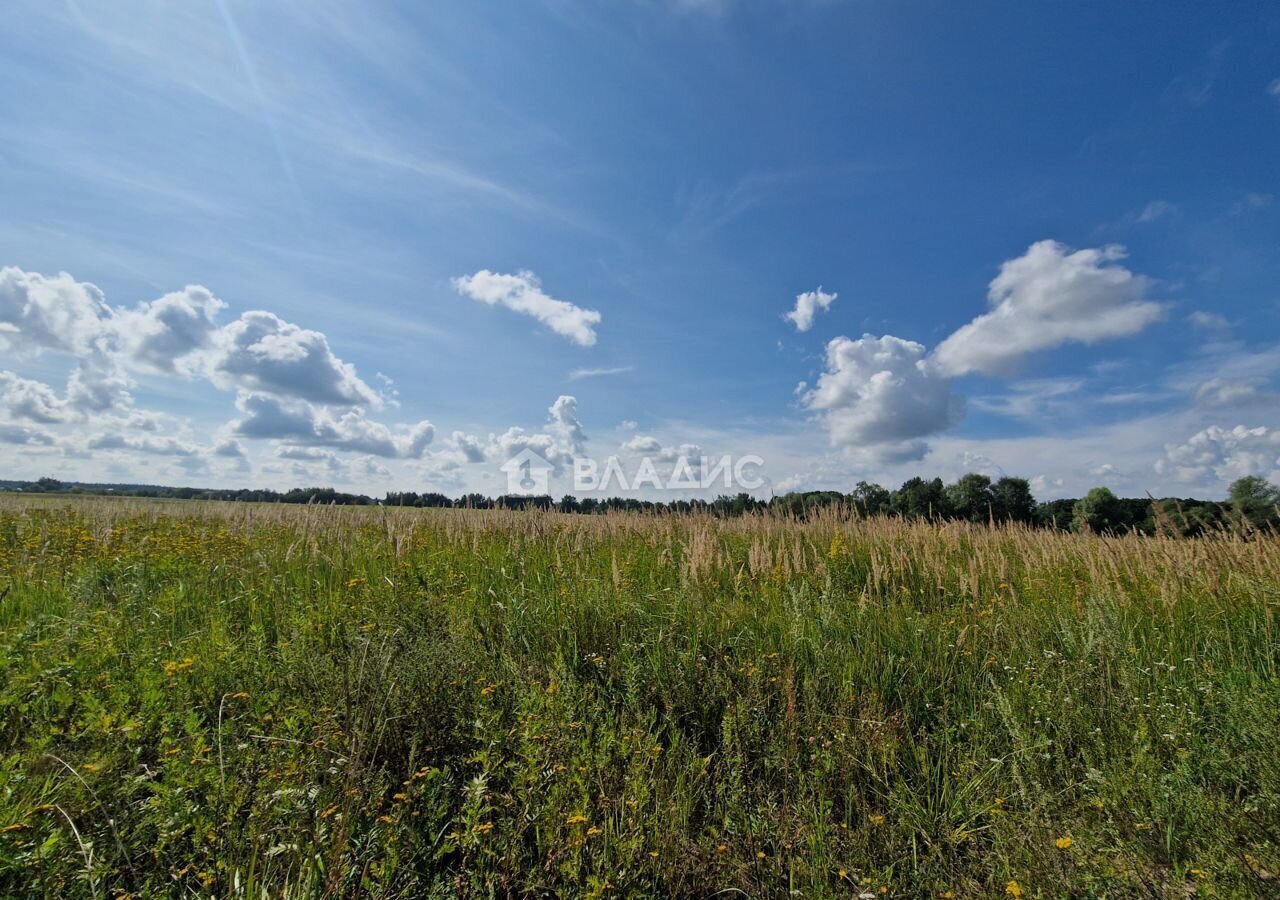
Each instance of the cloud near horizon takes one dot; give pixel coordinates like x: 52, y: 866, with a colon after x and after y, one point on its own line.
x: 882, y: 396
x: 290, y: 385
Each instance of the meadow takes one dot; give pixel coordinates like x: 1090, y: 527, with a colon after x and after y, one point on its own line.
x: 239, y: 700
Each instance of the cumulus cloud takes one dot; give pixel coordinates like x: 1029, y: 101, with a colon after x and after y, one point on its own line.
x: 11, y: 433
x: 650, y: 446
x: 807, y: 306
x: 1047, y: 297
x: 1224, y: 453
x: 263, y: 353
x: 97, y: 385
x: 369, y: 467
x: 164, y: 333
x: 559, y: 443
x: 305, y: 454
x: 34, y: 401
x: 643, y: 443
x: 54, y: 313
x: 174, y: 334
x: 143, y: 444
x: 523, y: 293
x: 566, y: 427
x: 290, y: 384
x: 229, y: 449
x: 882, y: 394
x: 470, y: 446
x: 303, y: 424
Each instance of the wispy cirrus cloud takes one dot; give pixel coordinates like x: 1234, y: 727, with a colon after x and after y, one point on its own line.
x: 600, y: 373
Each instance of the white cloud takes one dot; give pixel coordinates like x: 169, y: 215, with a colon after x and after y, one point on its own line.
x: 303, y: 454
x: 175, y: 334
x: 97, y: 385
x: 261, y: 352
x: 1227, y: 454
x: 1251, y: 202
x: 1030, y: 399
x: 807, y: 306
x: 523, y: 293
x: 53, y: 313
x: 1208, y: 321
x: 596, y: 373
x: 882, y: 395
x: 1047, y: 297
x: 562, y: 440
x: 229, y: 449
x: 1155, y: 211
x: 143, y: 444
x: 307, y: 425
x: 166, y: 331
x: 566, y: 427
x: 34, y: 401
x: 20, y: 434
x: 643, y: 443
x: 1274, y: 88
x: 1220, y: 392
x: 369, y: 467
x: 470, y: 446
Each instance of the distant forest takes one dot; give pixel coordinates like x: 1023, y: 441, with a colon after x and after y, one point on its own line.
x: 1252, y: 503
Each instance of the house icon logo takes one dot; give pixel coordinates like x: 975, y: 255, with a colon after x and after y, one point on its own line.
x: 527, y: 473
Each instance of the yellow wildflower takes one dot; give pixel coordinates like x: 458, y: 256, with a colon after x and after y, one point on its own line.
x: 575, y: 820
x: 876, y: 819
x: 1013, y: 889
x: 1063, y: 843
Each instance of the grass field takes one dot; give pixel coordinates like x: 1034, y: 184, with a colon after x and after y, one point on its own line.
x: 267, y: 701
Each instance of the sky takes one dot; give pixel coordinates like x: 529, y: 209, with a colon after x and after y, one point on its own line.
x: 389, y: 246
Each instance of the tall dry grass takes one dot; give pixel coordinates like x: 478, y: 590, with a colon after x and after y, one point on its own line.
x: 225, y: 700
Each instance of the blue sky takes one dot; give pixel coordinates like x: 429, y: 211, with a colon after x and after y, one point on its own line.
x: 391, y: 237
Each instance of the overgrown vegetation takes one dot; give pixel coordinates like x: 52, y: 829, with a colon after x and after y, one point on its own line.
x: 205, y: 700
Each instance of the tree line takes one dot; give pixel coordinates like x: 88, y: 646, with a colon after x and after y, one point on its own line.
x: 1252, y: 503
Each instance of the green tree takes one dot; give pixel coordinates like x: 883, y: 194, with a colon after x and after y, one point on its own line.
x: 1098, y: 511
x: 1254, y: 501
x: 920, y: 499
x: 970, y: 498
x: 1012, y: 501
x: 870, y: 499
